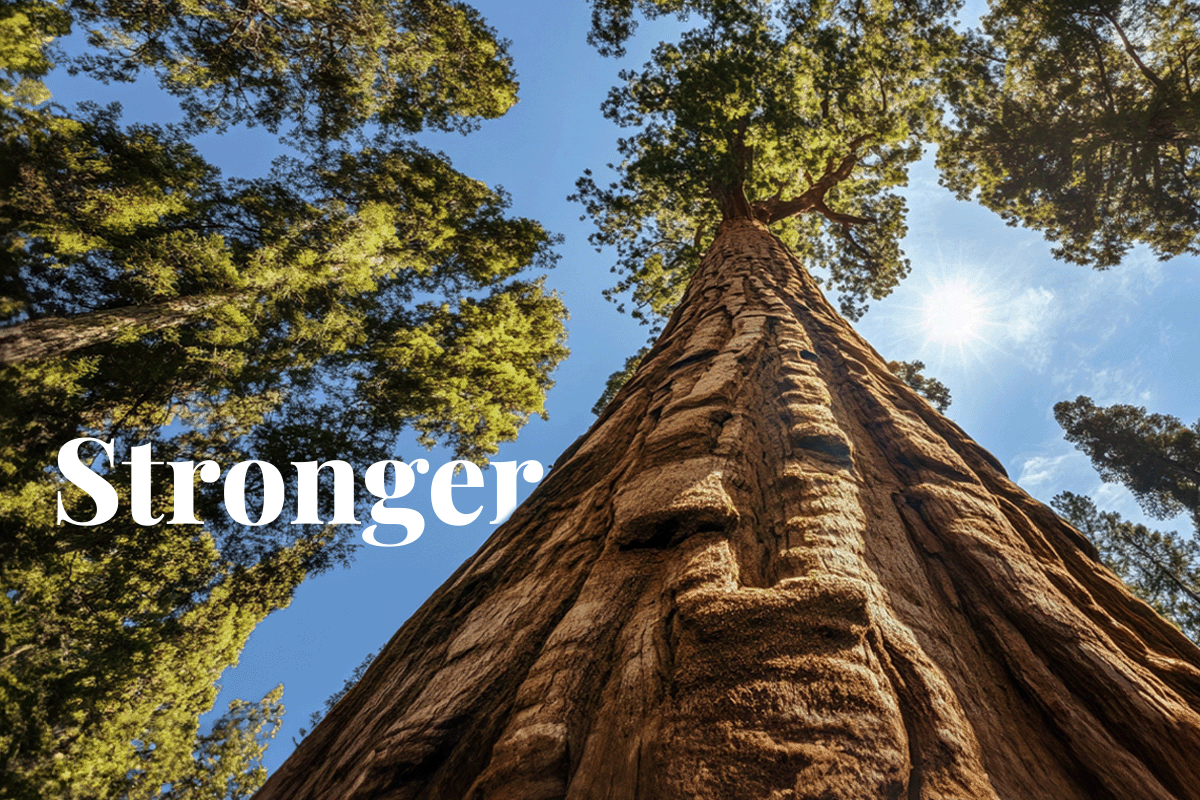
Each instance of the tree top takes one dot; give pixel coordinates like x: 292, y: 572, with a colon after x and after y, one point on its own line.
x: 802, y: 115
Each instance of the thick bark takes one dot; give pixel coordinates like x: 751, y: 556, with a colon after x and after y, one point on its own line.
x: 49, y: 337
x: 770, y: 570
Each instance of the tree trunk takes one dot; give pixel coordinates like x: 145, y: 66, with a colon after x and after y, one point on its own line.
x: 50, y: 337
x: 770, y: 570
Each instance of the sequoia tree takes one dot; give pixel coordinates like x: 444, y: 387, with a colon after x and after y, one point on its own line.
x: 360, y: 286
x: 769, y: 569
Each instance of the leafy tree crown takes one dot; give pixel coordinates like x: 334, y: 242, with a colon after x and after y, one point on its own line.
x: 805, y: 115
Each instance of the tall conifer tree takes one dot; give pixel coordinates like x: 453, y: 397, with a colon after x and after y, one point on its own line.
x: 770, y: 569
x: 1156, y: 456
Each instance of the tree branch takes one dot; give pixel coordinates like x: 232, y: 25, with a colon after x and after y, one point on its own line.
x: 868, y: 259
x: 813, y: 198
x: 1179, y: 469
x: 834, y: 216
x: 1146, y: 71
x: 14, y: 653
x: 55, y: 336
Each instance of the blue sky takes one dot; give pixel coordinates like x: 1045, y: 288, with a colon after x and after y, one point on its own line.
x: 1044, y: 331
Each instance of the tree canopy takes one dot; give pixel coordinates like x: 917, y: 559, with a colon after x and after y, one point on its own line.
x: 799, y: 114
x: 1081, y: 119
x: 361, y: 287
x: 327, y: 69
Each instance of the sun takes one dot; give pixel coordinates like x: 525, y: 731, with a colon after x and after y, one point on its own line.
x: 955, y: 313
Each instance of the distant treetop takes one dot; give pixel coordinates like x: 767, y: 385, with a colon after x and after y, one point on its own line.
x: 326, y: 68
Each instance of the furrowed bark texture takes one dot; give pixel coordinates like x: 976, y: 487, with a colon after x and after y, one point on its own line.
x: 770, y: 570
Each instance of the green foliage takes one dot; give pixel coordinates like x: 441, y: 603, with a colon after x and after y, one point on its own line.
x: 238, y: 739
x: 328, y: 68
x: 359, y: 288
x: 1157, y: 458
x: 1161, y: 568
x: 803, y: 114
x: 933, y: 390
x: 1155, y: 455
x: 113, y: 644
x: 469, y: 376
x: 303, y: 287
x: 619, y: 379
x: 1082, y: 120
x: 25, y: 29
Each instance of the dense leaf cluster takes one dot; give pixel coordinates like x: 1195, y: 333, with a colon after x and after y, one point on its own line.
x: 1081, y: 119
x: 326, y: 68
x: 227, y: 764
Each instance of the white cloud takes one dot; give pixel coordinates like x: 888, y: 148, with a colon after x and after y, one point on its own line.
x: 1029, y: 321
x: 1115, y: 497
x: 1122, y: 384
x: 1039, y: 472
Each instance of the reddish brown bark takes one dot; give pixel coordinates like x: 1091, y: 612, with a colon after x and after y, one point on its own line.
x: 770, y: 570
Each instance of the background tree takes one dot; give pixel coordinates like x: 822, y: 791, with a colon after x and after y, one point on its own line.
x: 933, y: 390
x: 227, y: 764
x: 1156, y: 456
x: 362, y: 286
x: 1161, y: 568
x: 1082, y: 120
